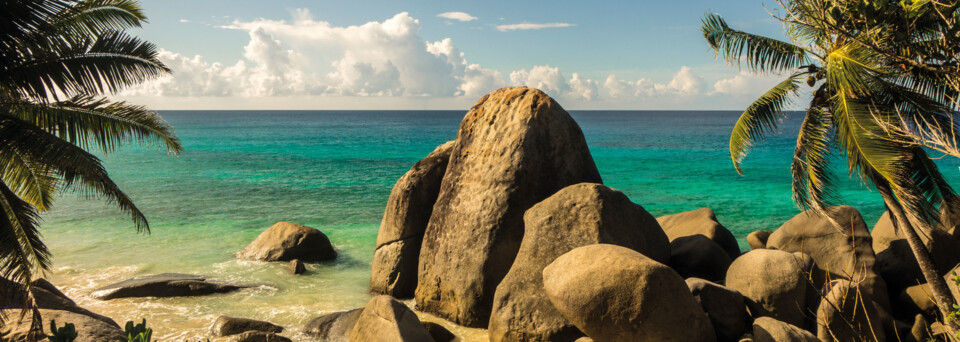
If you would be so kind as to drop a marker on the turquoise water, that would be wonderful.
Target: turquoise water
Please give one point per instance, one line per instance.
(243, 171)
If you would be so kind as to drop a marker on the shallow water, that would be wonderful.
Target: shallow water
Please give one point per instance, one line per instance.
(243, 171)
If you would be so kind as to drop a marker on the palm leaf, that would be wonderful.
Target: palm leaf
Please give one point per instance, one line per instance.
(759, 53)
(21, 250)
(77, 168)
(91, 18)
(84, 120)
(761, 118)
(77, 66)
(812, 180)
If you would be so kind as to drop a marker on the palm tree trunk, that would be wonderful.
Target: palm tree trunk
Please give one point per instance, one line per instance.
(941, 293)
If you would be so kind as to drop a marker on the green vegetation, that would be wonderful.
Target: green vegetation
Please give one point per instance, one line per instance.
(67, 333)
(883, 78)
(58, 61)
(137, 332)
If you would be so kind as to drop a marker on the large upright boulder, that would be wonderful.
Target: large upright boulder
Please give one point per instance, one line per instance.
(285, 241)
(578, 215)
(515, 147)
(613, 293)
(773, 282)
(55, 306)
(393, 270)
(839, 244)
(703, 222)
(698, 256)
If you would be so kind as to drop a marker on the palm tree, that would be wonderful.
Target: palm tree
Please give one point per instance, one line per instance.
(858, 93)
(58, 59)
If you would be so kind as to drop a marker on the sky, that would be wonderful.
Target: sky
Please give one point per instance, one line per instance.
(410, 55)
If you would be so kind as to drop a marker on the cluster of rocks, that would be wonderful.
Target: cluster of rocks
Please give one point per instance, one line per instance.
(510, 228)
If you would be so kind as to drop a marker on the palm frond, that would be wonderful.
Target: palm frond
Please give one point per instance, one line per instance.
(91, 18)
(853, 69)
(21, 251)
(757, 53)
(812, 180)
(77, 66)
(763, 116)
(85, 120)
(77, 168)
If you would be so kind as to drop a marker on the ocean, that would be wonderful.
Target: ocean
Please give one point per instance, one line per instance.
(242, 171)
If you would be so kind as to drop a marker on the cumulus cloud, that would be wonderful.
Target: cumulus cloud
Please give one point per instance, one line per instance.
(460, 16)
(745, 84)
(389, 58)
(530, 26)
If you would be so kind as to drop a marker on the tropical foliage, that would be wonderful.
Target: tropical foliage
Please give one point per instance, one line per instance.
(58, 61)
(877, 73)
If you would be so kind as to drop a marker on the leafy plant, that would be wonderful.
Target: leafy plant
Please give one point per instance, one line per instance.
(67, 333)
(59, 59)
(137, 332)
(870, 90)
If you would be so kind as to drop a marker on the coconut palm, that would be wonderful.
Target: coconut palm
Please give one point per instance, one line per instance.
(58, 59)
(856, 94)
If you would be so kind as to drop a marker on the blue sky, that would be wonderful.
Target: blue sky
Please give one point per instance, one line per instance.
(233, 54)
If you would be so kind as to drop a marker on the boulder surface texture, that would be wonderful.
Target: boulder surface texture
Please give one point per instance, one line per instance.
(578, 215)
(613, 293)
(514, 148)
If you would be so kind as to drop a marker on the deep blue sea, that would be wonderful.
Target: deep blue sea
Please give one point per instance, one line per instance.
(242, 171)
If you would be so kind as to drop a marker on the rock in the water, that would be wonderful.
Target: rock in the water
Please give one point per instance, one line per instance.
(226, 326)
(766, 329)
(258, 336)
(758, 239)
(394, 267)
(285, 241)
(698, 256)
(386, 319)
(773, 283)
(55, 306)
(333, 327)
(725, 308)
(701, 221)
(843, 250)
(578, 215)
(847, 313)
(515, 147)
(164, 285)
(613, 293)
(438, 332)
(296, 266)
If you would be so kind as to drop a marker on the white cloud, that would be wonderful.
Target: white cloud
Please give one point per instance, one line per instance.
(461, 16)
(745, 84)
(531, 26)
(184, 21)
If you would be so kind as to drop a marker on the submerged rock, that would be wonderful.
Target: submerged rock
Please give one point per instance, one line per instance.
(515, 147)
(285, 241)
(164, 285)
(393, 270)
(55, 306)
(700, 222)
(226, 326)
(296, 266)
(577, 215)
(613, 293)
(386, 319)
